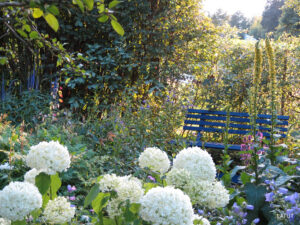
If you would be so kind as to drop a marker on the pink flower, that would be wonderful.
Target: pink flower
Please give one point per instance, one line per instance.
(243, 147)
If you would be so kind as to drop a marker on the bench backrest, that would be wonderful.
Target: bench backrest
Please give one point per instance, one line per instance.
(215, 122)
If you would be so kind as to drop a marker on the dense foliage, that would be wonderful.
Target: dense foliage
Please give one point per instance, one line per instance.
(94, 96)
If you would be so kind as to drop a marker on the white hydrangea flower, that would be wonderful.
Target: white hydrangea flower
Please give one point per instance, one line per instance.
(59, 211)
(18, 199)
(51, 157)
(127, 188)
(109, 182)
(198, 162)
(166, 206)
(207, 194)
(155, 159)
(4, 221)
(178, 178)
(31, 174)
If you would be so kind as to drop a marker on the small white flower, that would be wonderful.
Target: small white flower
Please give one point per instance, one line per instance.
(6, 166)
(155, 159)
(201, 220)
(284, 145)
(4, 221)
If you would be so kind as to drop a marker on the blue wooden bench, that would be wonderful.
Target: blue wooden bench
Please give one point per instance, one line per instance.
(215, 122)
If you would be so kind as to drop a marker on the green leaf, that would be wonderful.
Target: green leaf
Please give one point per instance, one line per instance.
(33, 35)
(43, 181)
(53, 10)
(18, 222)
(27, 28)
(22, 33)
(100, 202)
(113, 4)
(283, 179)
(245, 178)
(89, 4)
(91, 195)
(235, 170)
(37, 13)
(46, 199)
(117, 27)
(135, 207)
(255, 196)
(103, 18)
(55, 185)
(3, 60)
(148, 186)
(52, 21)
(80, 4)
(67, 80)
(101, 8)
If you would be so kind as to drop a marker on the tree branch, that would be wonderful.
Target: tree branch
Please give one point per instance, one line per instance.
(15, 4)
(18, 37)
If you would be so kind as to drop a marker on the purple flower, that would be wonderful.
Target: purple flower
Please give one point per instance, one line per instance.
(229, 217)
(283, 190)
(267, 181)
(243, 147)
(292, 198)
(296, 210)
(71, 188)
(244, 221)
(290, 214)
(151, 178)
(200, 212)
(236, 208)
(72, 198)
(260, 135)
(250, 207)
(269, 196)
(255, 221)
(72, 205)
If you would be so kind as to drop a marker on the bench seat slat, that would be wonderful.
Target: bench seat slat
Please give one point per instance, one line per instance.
(217, 145)
(217, 130)
(263, 116)
(233, 119)
(241, 126)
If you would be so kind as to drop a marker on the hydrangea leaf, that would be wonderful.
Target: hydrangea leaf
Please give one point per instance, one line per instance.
(91, 195)
(43, 181)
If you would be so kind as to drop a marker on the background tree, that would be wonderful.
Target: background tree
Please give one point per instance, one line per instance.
(220, 17)
(256, 29)
(239, 20)
(289, 21)
(271, 15)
